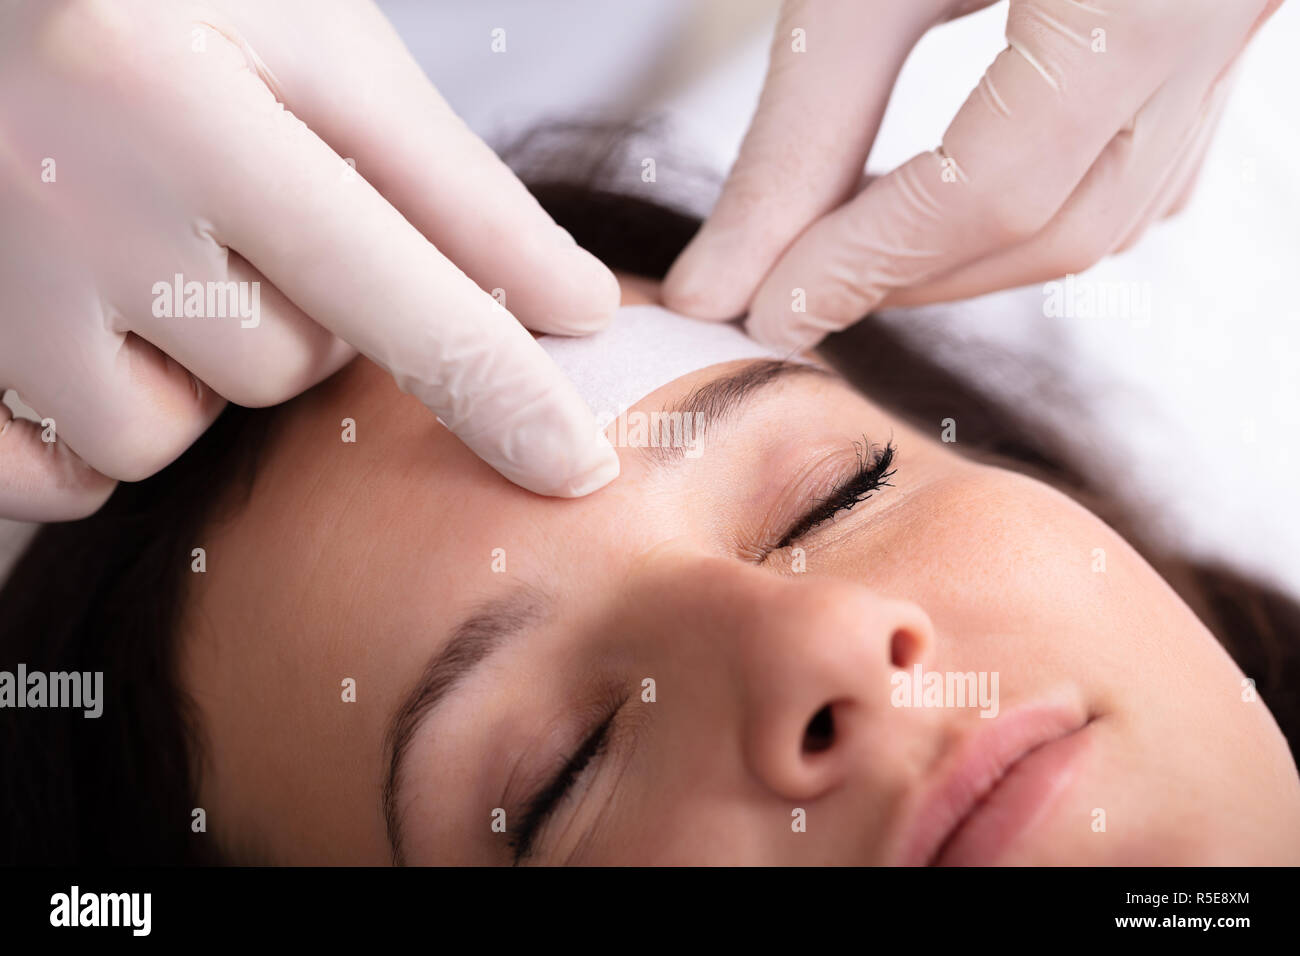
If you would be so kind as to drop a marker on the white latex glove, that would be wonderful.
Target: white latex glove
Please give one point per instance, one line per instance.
(140, 139)
(1091, 124)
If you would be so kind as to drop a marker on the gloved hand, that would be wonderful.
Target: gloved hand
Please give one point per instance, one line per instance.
(1087, 127)
(141, 140)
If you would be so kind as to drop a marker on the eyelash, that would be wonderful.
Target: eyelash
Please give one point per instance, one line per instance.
(869, 477)
(540, 807)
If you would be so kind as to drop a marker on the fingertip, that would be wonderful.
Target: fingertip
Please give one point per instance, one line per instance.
(693, 287)
(603, 292)
(585, 303)
(552, 446)
(780, 332)
(596, 468)
(80, 502)
(603, 469)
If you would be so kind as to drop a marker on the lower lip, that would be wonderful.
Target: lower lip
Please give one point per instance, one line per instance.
(1015, 804)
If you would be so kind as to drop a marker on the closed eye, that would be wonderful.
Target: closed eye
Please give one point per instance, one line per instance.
(872, 473)
(542, 805)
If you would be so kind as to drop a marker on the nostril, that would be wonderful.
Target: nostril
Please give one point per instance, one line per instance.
(904, 646)
(821, 731)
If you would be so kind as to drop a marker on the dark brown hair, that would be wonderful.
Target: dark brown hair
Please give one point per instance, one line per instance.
(107, 593)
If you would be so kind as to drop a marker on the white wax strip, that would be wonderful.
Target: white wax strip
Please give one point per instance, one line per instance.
(644, 348)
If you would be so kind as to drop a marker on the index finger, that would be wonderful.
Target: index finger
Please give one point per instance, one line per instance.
(363, 93)
(331, 243)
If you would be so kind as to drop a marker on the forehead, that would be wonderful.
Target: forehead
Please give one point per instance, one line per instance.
(406, 486)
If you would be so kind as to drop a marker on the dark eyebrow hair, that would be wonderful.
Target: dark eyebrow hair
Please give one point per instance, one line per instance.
(716, 400)
(473, 640)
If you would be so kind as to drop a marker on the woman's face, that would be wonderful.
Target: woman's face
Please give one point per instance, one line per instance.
(393, 643)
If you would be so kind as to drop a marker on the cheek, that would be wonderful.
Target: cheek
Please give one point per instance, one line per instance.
(1020, 580)
(1017, 578)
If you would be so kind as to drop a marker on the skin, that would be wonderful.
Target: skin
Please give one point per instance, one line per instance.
(354, 560)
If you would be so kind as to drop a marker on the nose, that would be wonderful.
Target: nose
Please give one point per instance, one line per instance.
(811, 661)
(817, 657)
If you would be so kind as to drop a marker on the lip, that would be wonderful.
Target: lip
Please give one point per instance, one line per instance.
(994, 785)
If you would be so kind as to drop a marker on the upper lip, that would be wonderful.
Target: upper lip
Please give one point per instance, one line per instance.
(973, 767)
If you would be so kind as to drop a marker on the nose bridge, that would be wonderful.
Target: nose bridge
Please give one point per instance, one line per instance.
(785, 629)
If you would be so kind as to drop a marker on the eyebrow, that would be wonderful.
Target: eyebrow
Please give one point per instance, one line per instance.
(712, 403)
(493, 624)
(484, 632)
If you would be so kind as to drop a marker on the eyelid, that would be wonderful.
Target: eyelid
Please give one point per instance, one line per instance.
(790, 491)
(871, 471)
(538, 808)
